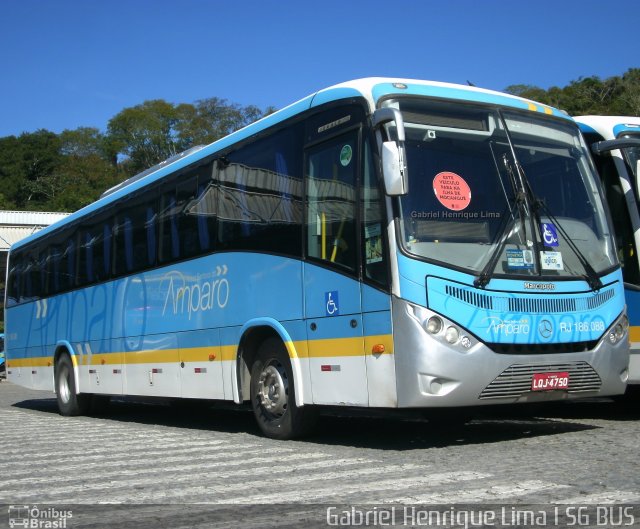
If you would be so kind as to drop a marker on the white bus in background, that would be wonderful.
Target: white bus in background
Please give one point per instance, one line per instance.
(615, 142)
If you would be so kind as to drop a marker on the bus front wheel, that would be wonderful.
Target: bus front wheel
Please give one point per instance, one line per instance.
(70, 403)
(273, 394)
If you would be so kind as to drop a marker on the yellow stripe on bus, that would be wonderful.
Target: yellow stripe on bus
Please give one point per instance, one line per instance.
(41, 361)
(334, 347)
(337, 347)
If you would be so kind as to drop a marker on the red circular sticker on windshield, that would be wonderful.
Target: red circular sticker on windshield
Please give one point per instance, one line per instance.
(452, 191)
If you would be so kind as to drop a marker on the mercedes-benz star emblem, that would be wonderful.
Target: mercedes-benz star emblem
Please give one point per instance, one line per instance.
(545, 328)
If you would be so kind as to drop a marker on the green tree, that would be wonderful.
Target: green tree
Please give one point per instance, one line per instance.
(85, 170)
(42, 170)
(527, 91)
(39, 156)
(213, 118)
(11, 176)
(146, 134)
(590, 95)
(628, 102)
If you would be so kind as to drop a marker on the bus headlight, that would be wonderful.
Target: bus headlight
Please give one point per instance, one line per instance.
(434, 325)
(452, 335)
(441, 329)
(619, 330)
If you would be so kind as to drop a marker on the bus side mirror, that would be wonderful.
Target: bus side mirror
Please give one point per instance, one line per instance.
(601, 147)
(393, 169)
(392, 154)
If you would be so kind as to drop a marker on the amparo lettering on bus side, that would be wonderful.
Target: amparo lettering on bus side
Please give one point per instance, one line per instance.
(189, 296)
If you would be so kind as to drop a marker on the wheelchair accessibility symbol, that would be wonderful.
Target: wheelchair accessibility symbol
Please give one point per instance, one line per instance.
(549, 234)
(331, 303)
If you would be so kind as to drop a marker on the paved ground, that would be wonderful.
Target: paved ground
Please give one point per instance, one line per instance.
(161, 457)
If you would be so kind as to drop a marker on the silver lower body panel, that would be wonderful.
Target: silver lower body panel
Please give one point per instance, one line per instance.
(433, 374)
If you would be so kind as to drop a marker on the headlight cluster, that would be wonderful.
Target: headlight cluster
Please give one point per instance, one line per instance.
(451, 333)
(619, 329)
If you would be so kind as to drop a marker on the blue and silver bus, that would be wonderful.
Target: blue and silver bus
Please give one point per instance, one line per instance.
(615, 143)
(381, 243)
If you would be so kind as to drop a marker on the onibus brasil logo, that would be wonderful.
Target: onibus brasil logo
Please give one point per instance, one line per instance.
(38, 517)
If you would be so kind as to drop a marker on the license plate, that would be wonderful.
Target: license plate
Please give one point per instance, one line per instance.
(550, 381)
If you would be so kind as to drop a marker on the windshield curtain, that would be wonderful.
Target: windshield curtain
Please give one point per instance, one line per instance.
(479, 192)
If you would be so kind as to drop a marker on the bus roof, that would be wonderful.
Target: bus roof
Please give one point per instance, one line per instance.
(372, 89)
(609, 127)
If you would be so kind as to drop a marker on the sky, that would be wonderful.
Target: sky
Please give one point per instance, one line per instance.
(66, 64)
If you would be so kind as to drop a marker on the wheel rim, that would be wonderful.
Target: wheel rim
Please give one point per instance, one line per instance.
(64, 389)
(273, 389)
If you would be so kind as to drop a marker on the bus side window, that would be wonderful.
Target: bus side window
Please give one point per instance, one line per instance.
(96, 268)
(150, 229)
(187, 223)
(204, 235)
(168, 241)
(13, 282)
(42, 269)
(139, 236)
(123, 257)
(67, 270)
(107, 242)
(32, 278)
(55, 259)
(85, 272)
(259, 195)
(331, 201)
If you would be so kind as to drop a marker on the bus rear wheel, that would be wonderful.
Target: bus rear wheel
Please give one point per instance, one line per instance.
(273, 394)
(70, 403)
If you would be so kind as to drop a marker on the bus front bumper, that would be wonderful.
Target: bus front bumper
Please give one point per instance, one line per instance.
(433, 374)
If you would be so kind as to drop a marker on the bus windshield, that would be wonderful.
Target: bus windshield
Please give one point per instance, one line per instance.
(506, 190)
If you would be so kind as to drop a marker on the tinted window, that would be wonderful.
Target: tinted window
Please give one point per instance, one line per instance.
(14, 280)
(193, 221)
(169, 248)
(259, 196)
(185, 222)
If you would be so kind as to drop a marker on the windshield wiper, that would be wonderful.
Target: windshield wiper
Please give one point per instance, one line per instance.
(520, 202)
(487, 272)
(591, 276)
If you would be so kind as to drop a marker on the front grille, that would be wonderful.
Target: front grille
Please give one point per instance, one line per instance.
(472, 297)
(516, 379)
(525, 303)
(542, 348)
(542, 305)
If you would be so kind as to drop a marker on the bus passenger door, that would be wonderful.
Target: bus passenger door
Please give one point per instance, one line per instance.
(376, 299)
(333, 308)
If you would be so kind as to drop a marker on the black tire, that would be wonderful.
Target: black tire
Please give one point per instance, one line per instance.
(273, 394)
(70, 403)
